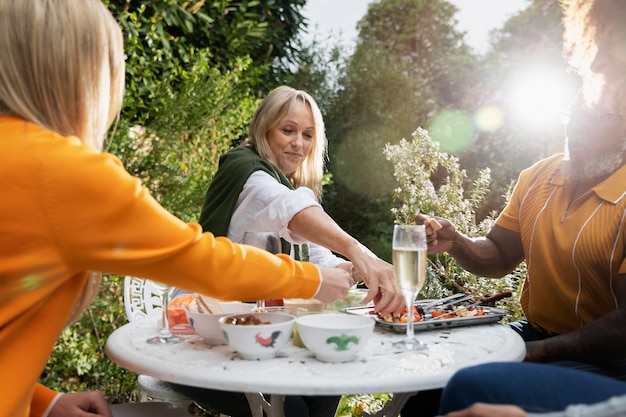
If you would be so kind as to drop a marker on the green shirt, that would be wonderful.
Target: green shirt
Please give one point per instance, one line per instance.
(235, 167)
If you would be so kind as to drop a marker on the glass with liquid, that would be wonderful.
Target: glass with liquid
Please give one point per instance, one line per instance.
(164, 335)
(409, 264)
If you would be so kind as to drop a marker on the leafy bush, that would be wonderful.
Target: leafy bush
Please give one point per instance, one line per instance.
(176, 152)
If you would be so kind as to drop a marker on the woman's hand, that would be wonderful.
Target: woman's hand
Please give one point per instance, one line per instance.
(379, 277)
(355, 276)
(489, 410)
(81, 404)
(314, 225)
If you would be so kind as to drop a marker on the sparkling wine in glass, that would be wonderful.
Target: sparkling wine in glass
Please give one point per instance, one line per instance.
(409, 264)
(269, 241)
(165, 334)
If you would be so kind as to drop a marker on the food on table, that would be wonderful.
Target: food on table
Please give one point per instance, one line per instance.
(274, 302)
(257, 335)
(176, 310)
(458, 311)
(249, 320)
(401, 317)
(294, 305)
(448, 312)
(354, 298)
(208, 305)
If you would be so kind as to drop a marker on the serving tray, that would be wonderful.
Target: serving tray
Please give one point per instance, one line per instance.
(492, 315)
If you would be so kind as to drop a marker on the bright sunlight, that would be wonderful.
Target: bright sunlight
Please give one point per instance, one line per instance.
(535, 97)
(539, 96)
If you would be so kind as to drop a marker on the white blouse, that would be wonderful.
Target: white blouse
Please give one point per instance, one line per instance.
(266, 204)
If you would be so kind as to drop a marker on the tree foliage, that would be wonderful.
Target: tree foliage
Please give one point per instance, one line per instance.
(168, 41)
(410, 69)
(192, 70)
(318, 69)
(176, 154)
(409, 63)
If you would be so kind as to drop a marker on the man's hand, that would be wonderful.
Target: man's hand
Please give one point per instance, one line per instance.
(439, 233)
(81, 404)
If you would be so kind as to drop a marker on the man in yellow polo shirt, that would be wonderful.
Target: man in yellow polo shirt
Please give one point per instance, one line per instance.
(567, 220)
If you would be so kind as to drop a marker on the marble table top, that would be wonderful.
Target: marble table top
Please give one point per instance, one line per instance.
(295, 371)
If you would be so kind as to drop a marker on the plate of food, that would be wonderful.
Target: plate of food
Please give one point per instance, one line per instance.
(455, 311)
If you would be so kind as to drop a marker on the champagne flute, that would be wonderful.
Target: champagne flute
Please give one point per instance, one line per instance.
(269, 241)
(165, 334)
(409, 263)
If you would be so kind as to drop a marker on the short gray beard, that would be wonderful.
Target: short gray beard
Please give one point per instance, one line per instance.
(597, 167)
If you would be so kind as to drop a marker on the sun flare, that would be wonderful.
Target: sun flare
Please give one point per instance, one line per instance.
(540, 96)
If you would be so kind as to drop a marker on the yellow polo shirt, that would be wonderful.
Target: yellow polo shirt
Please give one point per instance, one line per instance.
(68, 209)
(574, 250)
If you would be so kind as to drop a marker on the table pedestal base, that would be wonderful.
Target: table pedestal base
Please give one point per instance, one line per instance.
(275, 406)
(258, 404)
(392, 407)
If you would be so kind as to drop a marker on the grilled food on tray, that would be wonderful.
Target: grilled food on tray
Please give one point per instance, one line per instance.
(441, 312)
(402, 317)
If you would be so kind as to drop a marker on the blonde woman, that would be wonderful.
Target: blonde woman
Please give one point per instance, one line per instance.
(69, 209)
(274, 181)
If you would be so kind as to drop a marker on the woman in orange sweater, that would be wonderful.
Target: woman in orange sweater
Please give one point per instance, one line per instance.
(69, 209)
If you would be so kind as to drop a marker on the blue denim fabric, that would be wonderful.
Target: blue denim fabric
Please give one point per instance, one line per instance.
(531, 386)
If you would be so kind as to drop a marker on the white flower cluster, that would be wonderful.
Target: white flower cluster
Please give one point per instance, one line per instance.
(431, 182)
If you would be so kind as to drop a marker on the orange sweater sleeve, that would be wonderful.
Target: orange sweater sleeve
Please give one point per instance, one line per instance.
(122, 229)
(42, 397)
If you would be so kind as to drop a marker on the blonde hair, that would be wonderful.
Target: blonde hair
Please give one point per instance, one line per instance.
(274, 108)
(61, 66)
(582, 21)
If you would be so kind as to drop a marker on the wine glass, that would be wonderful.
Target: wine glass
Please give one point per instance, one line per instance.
(165, 334)
(269, 241)
(409, 264)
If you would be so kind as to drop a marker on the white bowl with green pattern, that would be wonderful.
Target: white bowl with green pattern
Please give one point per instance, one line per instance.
(335, 337)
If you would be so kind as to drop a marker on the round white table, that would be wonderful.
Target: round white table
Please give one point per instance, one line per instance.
(379, 368)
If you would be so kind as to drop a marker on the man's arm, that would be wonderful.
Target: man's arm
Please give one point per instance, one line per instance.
(495, 255)
(601, 342)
